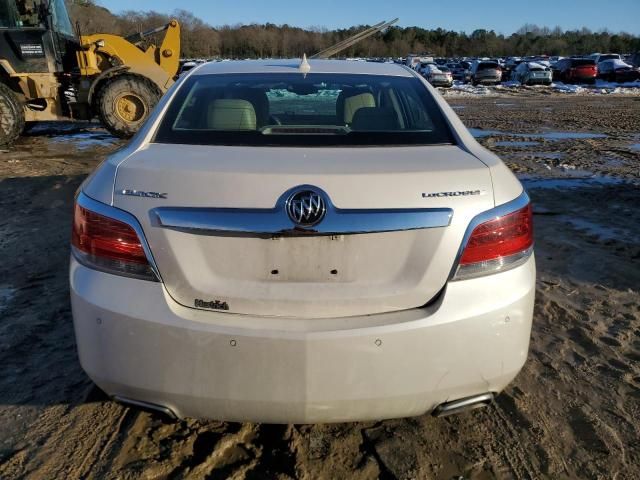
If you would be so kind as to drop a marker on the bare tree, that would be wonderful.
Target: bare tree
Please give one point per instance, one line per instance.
(201, 40)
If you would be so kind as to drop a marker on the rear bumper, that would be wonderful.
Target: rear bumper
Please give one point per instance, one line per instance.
(538, 80)
(627, 77)
(583, 77)
(487, 79)
(441, 83)
(135, 342)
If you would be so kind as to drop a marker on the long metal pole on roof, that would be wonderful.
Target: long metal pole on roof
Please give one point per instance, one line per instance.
(323, 53)
(349, 42)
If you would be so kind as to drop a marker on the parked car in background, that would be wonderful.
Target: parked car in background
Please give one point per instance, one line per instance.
(530, 73)
(186, 65)
(460, 71)
(438, 75)
(423, 67)
(543, 62)
(601, 57)
(576, 70)
(635, 60)
(485, 72)
(509, 67)
(223, 274)
(617, 71)
(414, 61)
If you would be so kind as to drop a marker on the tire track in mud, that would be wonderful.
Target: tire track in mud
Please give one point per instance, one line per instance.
(233, 454)
(192, 449)
(510, 450)
(71, 440)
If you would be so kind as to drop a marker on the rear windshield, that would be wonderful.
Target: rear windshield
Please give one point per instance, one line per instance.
(291, 109)
(579, 62)
(487, 65)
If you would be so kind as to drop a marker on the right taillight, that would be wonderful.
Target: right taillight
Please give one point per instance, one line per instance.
(497, 244)
(110, 245)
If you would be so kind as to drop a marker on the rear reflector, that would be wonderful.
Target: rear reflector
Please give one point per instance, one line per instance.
(106, 244)
(498, 244)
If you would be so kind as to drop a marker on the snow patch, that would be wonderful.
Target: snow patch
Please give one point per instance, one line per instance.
(460, 89)
(601, 87)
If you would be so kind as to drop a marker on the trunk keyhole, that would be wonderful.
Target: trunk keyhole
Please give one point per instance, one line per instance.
(334, 272)
(274, 272)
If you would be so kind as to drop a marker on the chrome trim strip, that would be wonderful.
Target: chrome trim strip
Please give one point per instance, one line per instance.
(275, 221)
(108, 211)
(517, 203)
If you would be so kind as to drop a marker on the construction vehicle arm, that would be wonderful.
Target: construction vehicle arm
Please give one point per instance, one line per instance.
(169, 52)
(140, 36)
(123, 52)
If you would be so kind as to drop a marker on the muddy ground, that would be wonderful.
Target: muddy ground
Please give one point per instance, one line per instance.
(573, 412)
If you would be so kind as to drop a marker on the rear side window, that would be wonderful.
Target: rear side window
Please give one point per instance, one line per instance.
(293, 109)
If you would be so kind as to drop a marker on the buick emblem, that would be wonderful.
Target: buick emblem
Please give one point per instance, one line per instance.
(306, 208)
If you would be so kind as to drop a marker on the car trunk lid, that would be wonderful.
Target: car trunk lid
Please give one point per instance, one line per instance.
(215, 252)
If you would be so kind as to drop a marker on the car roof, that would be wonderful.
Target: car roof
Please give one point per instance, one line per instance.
(291, 66)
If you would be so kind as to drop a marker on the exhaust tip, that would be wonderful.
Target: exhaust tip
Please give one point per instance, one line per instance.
(152, 407)
(463, 404)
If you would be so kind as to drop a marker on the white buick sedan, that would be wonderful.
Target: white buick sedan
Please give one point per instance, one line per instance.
(298, 243)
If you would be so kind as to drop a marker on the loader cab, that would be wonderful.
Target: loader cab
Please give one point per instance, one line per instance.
(37, 36)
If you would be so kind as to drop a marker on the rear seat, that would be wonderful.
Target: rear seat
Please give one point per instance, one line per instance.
(375, 118)
(257, 98)
(231, 114)
(350, 101)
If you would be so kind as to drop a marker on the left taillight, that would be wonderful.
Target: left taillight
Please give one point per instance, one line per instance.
(500, 243)
(108, 244)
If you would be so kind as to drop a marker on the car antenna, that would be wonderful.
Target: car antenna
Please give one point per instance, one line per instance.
(304, 67)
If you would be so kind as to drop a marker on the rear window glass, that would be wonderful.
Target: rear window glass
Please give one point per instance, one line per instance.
(293, 109)
(578, 62)
(487, 65)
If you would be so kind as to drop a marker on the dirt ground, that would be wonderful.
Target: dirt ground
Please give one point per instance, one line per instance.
(573, 412)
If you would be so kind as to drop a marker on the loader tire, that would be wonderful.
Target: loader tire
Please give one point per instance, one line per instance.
(11, 116)
(125, 102)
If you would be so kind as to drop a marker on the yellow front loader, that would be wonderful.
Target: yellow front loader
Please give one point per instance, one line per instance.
(48, 73)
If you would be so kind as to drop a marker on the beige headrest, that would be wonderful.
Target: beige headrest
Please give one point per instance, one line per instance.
(355, 103)
(231, 114)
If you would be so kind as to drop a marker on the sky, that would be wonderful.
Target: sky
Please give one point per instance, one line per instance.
(503, 16)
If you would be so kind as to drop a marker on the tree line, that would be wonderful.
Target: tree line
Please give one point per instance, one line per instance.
(201, 40)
